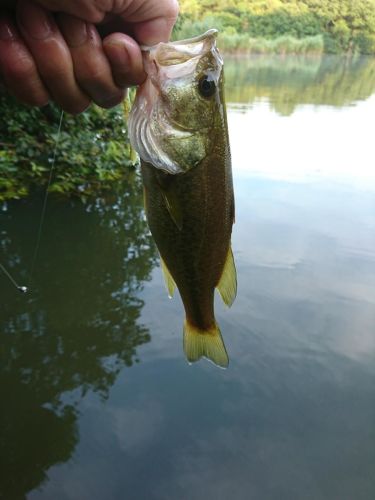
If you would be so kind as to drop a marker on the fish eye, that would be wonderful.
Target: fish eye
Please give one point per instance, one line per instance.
(206, 86)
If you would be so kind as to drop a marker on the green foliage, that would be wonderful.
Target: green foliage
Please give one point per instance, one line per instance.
(341, 25)
(92, 151)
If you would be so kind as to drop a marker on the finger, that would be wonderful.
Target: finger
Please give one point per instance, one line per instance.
(125, 58)
(153, 21)
(51, 56)
(17, 68)
(91, 67)
(90, 11)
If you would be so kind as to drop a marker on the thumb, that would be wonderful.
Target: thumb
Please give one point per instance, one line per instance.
(154, 31)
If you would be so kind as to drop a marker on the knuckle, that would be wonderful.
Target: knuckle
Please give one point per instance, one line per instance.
(32, 94)
(172, 9)
(110, 101)
(24, 83)
(35, 102)
(76, 108)
(128, 79)
(98, 8)
(21, 68)
(91, 76)
(99, 84)
(91, 68)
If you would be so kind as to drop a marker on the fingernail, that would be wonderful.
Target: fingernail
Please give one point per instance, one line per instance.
(35, 20)
(7, 30)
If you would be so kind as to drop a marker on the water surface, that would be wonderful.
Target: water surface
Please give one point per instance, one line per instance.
(97, 399)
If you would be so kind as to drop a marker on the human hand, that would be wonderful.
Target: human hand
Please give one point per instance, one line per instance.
(78, 51)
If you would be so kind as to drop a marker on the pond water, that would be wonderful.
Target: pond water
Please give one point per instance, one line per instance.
(97, 400)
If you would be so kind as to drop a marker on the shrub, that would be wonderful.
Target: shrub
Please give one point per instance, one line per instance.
(92, 151)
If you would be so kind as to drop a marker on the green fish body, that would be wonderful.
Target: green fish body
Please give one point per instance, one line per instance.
(178, 126)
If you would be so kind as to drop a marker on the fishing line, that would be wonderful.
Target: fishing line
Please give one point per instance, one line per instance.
(21, 288)
(42, 216)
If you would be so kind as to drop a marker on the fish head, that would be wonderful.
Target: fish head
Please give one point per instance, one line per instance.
(180, 108)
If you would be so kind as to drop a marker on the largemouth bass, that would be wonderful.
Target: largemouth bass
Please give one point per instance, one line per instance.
(178, 126)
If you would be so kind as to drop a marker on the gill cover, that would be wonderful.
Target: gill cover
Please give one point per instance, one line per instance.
(175, 109)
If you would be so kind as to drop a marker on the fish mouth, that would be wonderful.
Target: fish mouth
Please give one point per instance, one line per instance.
(209, 35)
(181, 51)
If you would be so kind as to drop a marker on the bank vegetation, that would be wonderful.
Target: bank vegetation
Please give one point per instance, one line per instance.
(283, 26)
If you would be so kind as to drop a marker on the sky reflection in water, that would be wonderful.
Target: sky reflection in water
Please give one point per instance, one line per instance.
(293, 416)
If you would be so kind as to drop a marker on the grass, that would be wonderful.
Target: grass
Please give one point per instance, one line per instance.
(231, 41)
(242, 43)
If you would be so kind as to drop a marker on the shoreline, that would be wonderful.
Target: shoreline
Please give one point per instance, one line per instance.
(244, 54)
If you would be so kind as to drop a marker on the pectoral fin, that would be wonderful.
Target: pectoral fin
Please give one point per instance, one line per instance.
(173, 206)
(169, 281)
(205, 343)
(228, 282)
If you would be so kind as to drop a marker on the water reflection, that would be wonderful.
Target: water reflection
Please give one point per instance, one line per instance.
(288, 81)
(293, 415)
(74, 332)
(302, 119)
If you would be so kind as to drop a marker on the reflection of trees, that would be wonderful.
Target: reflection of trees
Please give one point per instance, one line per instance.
(74, 333)
(288, 81)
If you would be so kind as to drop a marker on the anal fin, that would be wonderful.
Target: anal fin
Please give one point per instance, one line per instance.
(209, 344)
(227, 285)
(169, 281)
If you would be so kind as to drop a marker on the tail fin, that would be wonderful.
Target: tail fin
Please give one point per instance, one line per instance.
(206, 343)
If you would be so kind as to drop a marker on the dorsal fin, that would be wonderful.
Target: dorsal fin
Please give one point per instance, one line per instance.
(227, 285)
(169, 281)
